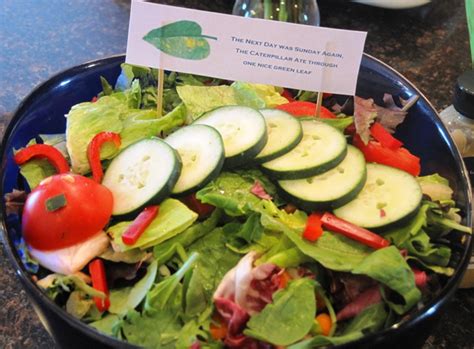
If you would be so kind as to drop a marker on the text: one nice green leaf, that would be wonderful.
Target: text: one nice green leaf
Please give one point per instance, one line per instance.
(181, 39)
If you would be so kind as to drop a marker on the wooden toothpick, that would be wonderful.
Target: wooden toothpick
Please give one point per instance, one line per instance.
(319, 101)
(159, 96)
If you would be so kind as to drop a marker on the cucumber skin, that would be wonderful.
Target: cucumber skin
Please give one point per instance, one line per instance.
(398, 223)
(161, 195)
(306, 172)
(310, 206)
(277, 154)
(247, 156)
(213, 175)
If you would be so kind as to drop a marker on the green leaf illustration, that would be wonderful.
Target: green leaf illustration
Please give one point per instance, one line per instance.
(181, 39)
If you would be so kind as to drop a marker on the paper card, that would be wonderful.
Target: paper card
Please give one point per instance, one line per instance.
(244, 49)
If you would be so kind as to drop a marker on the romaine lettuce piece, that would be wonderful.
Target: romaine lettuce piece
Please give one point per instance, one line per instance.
(174, 218)
(200, 99)
(257, 96)
(436, 187)
(113, 113)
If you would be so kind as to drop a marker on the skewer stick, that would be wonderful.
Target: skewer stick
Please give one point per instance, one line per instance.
(159, 95)
(319, 101)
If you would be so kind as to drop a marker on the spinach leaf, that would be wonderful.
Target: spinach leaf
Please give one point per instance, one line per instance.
(231, 191)
(124, 299)
(164, 251)
(181, 39)
(333, 251)
(159, 325)
(241, 235)
(370, 319)
(289, 318)
(389, 268)
(417, 242)
(209, 270)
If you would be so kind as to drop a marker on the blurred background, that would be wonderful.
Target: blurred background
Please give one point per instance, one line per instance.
(38, 38)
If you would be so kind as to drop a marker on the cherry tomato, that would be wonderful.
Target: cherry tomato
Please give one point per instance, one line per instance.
(65, 209)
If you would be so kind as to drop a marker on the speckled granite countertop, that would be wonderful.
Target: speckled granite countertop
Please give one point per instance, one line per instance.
(39, 38)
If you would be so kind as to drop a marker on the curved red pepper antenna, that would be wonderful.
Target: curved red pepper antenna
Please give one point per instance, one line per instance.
(93, 152)
(43, 151)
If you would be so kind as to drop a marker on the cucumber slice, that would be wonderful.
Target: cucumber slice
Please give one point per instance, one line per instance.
(332, 188)
(284, 133)
(322, 148)
(201, 150)
(243, 131)
(389, 195)
(142, 174)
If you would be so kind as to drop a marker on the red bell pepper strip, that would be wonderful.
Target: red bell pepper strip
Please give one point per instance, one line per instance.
(303, 108)
(287, 94)
(138, 226)
(93, 152)
(99, 282)
(43, 151)
(400, 158)
(203, 210)
(313, 229)
(384, 137)
(353, 231)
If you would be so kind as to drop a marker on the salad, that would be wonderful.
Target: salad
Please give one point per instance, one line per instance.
(238, 219)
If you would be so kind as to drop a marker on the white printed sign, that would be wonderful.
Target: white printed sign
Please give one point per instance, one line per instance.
(244, 49)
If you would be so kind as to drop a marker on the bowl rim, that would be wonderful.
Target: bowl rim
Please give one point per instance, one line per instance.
(426, 311)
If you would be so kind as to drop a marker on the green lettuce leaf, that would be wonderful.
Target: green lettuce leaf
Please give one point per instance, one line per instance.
(231, 192)
(164, 251)
(160, 325)
(200, 99)
(435, 186)
(55, 284)
(215, 261)
(78, 304)
(109, 324)
(114, 114)
(388, 267)
(257, 96)
(288, 318)
(174, 218)
(125, 299)
(370, 319)
(333, 251)
(35, 170)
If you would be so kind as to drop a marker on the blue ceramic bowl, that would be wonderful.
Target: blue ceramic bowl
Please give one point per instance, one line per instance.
(422, 132)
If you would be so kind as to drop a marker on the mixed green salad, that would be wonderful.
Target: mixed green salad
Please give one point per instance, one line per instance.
(238, 219)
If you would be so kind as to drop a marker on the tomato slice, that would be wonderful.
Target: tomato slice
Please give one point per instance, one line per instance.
(399, 158)
(63, 210)
(303, 108)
